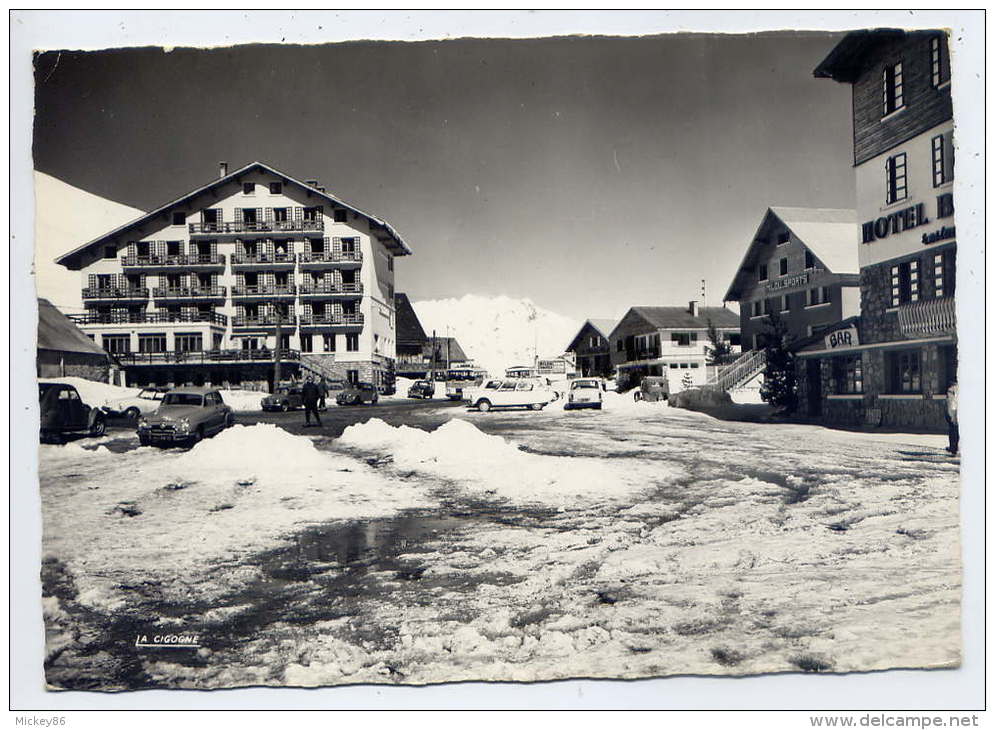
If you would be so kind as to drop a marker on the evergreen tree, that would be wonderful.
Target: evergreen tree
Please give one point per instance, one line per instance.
(720, 348)
(780, 382)
(687, 382)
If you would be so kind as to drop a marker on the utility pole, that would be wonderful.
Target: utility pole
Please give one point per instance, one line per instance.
(431, 373)
(703, 300)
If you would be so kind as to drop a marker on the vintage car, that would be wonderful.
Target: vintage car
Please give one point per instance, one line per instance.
(64, 412)
(185, 416)
(284, 399)
(133, 406)
(421, 389)
(358, 393)
(511, 393)
(585, 393)
(652, 388)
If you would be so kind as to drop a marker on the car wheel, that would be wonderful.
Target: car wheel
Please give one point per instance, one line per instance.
(284, 406)
(484, 405)
(197, 435)
(132, 413)
(98, 427)
(229, 420)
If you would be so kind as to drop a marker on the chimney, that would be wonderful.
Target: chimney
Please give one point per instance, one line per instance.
(693, 307)
(222, 168)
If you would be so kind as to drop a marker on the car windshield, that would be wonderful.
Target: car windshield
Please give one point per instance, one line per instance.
(584, 384)
(183, 399)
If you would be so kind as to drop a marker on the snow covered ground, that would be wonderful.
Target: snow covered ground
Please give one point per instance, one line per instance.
(637, 541)
(96, 394)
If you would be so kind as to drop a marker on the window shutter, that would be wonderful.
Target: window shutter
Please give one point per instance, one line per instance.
(298, 213)
(269, 215)
(914, 280)
(91, 281)
(290, 247)
(238, 215)
(259, 214)
(336, 244)
(132, 249)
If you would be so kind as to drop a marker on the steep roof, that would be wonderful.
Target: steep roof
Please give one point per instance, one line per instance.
(71, 260)
(845, 62)
(57, 332)
(681, 318)
(603, 327)
(829, 233)
(410, 333)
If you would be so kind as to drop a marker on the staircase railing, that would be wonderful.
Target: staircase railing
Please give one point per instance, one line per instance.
(748, 365)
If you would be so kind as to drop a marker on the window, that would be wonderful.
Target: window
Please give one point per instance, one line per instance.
(307, 342)
(352, 342)
(762, 272)
(905, 283)
(117, 344)
(281, 215)
(809, 260)
(151, 343)
(275, 188)
(284, 343)
(944, 273)
(893, 98)
(179, 218)
(943, 159)
(895, 178)
(248, 188)
(341, 215)
(210, 215)
(694, 365)
(684, 339)
(674, 366)
(937, 75)
(313, 213)
(904, 372)
(352, 376)
(783, 266)
(783, 238)
(735, 339)
(348, 245)
(189, 342)
(785, 303)
(820, 295)
(758, 308)
(619, 345)
(390, 262)
(110, 252)
(848, 377)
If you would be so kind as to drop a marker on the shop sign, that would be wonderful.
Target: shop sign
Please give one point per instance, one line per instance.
(906, 219)
(788, 282)
(943, 234)
(552, 366)
(842, 338)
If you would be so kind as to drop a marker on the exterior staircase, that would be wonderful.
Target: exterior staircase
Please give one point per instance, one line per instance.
(746, 367)
(316, 367)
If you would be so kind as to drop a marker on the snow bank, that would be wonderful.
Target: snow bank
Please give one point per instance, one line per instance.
(94, 394)
(243, 400)
(483, 464)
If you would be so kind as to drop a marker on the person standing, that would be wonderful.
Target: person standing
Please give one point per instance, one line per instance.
(322, 393)
(953, 430)
(309, 395)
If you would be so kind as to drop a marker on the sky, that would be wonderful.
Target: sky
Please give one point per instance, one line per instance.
(586, 174)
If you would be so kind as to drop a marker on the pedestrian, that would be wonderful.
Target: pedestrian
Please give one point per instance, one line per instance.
(322, 393)
(953, 430)
(309, 395)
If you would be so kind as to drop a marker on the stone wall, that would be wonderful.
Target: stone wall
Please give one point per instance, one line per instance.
(51, 364)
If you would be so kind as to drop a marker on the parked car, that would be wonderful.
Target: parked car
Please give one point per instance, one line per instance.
(421, 389)
(133, 406)
(511, 393)
(358, 393)
(64, 412)
(284, 399)
(653, 388)
(186, 416)
(585, 393)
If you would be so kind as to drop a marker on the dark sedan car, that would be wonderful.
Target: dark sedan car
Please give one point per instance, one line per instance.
(64, 412)
(358, 393)
(284, 399)
(421, 389)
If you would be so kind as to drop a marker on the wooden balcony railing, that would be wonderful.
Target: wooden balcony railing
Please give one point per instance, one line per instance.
(138, 292)
(236, 227)
(264, 320)
(332, 319)
(355, 287)
(929, 317)
(99, 318)
(190, 292)
(206, 357)
(263, 258)
(331, 257)
(179, 259)
(285, 290)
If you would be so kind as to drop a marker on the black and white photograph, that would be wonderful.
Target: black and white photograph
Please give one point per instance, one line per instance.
(484, 359)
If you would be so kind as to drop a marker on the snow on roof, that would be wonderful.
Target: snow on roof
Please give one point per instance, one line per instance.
(680, 317)
(71, 259)
(57, 332)
(829, 233)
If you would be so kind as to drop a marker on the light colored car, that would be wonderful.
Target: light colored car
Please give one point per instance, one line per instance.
(511, 393)
(133, 406)
(186, 415)
(585, 393)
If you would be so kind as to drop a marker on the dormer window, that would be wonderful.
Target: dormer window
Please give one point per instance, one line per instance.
(248, 188)
(276, 188)
(341, 215)
(762, 272)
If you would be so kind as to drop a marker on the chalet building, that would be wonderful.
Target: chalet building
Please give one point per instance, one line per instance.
(63, 350)
(252, 268)
(802, 265)
(670, 341)
(892, 366)
(411, 338)
(590, 348)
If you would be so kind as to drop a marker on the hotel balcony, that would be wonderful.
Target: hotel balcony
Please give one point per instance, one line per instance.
(252, 229)
(190, 293)
(637, 355)
(264, 291)
(254, 261)
(112, 294)
(264, 321)
(194, 261)
(331, 259)
(331, 291)
(928, 318)
(332, 321)
(206, 357)
(128, 318)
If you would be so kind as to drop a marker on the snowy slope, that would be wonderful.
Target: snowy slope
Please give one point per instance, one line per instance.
(498, 332)
(65, 218)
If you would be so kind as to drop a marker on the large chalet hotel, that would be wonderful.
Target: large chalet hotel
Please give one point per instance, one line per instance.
(252, 269)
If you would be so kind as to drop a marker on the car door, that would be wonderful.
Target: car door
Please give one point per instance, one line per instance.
(525, 393)
(505, 394)
(211, 413)
(76, 410)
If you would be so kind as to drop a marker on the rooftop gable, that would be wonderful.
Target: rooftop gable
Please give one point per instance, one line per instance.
(389, 236)
(57, 332)
(680, 318)
(602, 327)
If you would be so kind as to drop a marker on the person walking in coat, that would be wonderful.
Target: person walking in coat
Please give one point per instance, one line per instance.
(310, 395)
(322, 393)
(953, 431)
